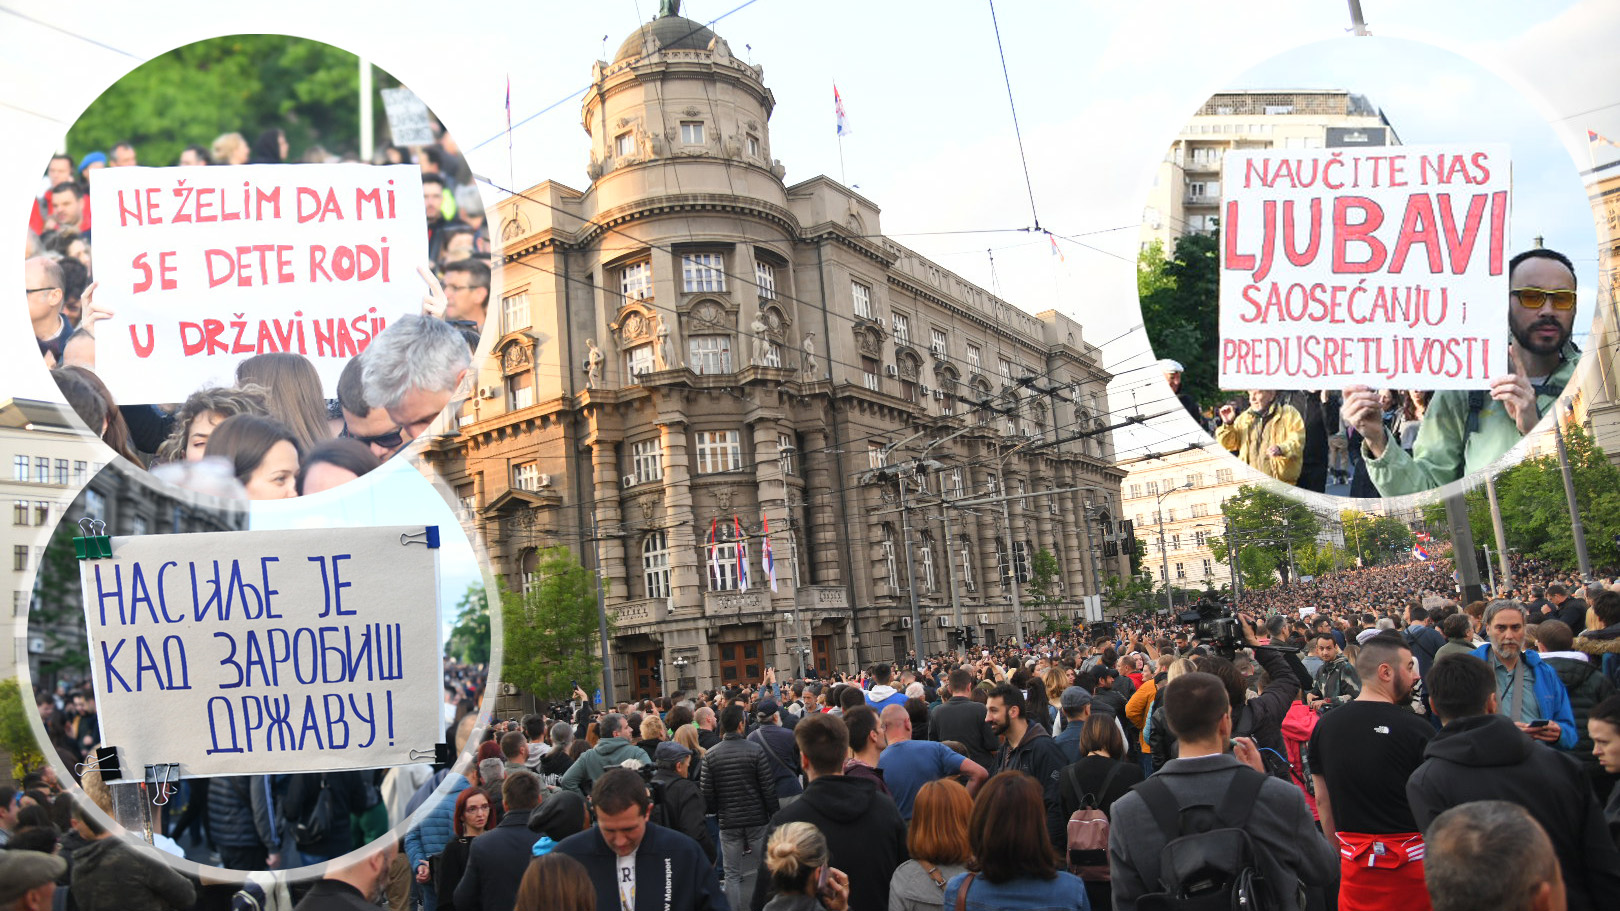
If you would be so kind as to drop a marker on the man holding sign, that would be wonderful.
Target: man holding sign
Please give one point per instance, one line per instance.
(1464, 431)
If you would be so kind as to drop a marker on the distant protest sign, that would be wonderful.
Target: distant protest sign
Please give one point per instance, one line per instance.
(1383, 267)
(204, 267)
(260, 652)
(408, 118)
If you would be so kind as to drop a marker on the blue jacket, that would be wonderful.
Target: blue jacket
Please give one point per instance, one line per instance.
(431, 830)
(1064, 893)
(1550, 693)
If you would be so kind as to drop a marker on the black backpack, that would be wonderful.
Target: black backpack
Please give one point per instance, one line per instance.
(1209, 863)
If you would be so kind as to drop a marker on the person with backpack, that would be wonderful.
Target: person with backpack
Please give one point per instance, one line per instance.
(1086, 792)
(779, 749)
(677, 802)
(1254, 831)
(937, 840)
(1424, 640)
(318, 808)
(1360, 756)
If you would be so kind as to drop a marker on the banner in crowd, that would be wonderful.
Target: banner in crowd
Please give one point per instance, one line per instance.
(1385, 267)
(259, 652)
(206, 266)
(409, 122)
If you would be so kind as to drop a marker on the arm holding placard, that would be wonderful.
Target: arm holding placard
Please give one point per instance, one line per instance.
(1438, 456)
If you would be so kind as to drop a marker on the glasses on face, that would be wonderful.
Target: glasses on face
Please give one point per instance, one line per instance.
(1536, 298)
(37, 290)
(481, 808)
(389, 440)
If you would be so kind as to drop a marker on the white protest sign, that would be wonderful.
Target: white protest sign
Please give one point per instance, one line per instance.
(259, 652)
(1306, 612)
(408, 118)
(205, 267)
(1385, 267)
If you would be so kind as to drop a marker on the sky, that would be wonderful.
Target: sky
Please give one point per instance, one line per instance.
(1099, 91)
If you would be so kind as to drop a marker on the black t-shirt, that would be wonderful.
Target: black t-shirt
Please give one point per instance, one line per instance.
(1366, 750)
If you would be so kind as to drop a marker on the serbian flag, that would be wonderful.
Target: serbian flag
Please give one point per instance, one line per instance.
(1419, 553)
(509, 105)
(1423, 536)
(1591, 137)
(714, 554)
(1055, 251)
(742, 554)
(768, 559)
(838, 108)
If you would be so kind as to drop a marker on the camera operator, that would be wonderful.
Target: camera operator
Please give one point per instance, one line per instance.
(1336, 681)
(1261, 717)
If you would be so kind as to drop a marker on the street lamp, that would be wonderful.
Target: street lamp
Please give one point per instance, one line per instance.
(1164, 562)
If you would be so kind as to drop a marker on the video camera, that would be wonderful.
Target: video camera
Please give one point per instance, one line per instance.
(1216, 623)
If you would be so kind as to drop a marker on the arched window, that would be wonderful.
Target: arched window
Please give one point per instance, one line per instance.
(926, 560)
(655, 564)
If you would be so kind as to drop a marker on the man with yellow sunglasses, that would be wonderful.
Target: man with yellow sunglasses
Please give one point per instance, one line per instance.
(1464, 431)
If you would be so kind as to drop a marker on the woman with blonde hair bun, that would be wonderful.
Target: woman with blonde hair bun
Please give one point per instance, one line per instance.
(230, 148)
(802, 877)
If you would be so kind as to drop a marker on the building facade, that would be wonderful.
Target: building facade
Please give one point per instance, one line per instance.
(696, 360)
(1180, 495)
(1186, 195)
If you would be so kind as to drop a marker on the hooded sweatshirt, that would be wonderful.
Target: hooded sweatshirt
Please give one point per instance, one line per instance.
(882, 695)
(109, 875)
(1486, 757)
(864, 831)
(608, 752)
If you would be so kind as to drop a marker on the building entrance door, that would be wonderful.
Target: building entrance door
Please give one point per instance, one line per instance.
(644, 673)
(821, 648)
(741, 662)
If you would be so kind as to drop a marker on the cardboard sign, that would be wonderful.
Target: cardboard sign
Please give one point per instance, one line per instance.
(408, 118)
(260, 652)
(204, 267)
(1385, 267)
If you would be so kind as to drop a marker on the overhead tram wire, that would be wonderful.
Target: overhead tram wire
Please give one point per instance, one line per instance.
(68, 32)
(1013, 107)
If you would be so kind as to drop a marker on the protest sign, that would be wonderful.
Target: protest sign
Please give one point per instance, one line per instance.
(1384, 267)
(259, 652)
(408, 118)
(204, 267)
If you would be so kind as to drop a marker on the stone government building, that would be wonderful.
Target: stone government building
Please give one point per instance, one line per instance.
(690, 348)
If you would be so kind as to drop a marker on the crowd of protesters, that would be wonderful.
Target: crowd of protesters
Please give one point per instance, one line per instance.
(275, 432)
(1362, 716)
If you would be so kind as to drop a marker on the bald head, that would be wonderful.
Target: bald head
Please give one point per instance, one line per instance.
(896, 723)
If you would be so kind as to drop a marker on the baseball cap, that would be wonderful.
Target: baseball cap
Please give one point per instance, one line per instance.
(670, 751)
(1075, 698)
(767, 708)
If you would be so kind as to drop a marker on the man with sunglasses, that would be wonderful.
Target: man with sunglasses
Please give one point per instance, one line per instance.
(361, 422)
(1464, 431)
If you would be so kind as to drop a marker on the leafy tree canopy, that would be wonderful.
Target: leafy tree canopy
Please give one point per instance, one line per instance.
(550, 634)
(1178, 293)
(238, 83)
(469, 639)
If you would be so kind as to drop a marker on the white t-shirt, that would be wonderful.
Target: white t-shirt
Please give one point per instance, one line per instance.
(627, 882)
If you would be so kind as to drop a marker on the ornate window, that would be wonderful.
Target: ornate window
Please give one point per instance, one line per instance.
(718, 450)
(638, 360)
(709, 354)
(862, 296)
(890, 566)
(647, 460)
(724, 572)
(526, 476)
(902, 329)
(964, 551)
(635, 281)
(655, 564)
(765, 278)
(515, 312)
(925, 559)
(692, 132)
(703, 273)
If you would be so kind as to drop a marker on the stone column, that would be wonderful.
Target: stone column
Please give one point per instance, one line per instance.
(611, 545)
(820, 542)
(686, 583)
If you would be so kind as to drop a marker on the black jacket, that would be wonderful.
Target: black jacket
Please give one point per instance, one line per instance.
(671, 872)
(738, 784)
(1262, 716)
(1038, 756)
(681, 808)
(333, 895)
(1587, 687)
(864, 831)
(495, 865)
(239, 809)
(1487, 758)
(962, 720)
(349, 796)
(449, 868)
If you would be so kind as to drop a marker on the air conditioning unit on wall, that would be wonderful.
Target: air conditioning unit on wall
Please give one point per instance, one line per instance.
(984, 619)
(905, 623)
(892, 370)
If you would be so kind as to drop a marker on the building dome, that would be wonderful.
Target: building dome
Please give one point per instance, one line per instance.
(668, 33)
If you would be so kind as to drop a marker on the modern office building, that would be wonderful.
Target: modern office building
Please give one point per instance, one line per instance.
(696, 359)
(1186, 195)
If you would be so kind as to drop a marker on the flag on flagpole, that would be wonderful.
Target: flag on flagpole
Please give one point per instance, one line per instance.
(1419, 553)
(742, 554)
(769, 559)
(714, 553)
(1055, 250)
(1591, 137)
(838, 108)
(509, 108)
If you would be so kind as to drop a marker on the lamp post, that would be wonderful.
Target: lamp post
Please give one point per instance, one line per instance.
(1164, 562)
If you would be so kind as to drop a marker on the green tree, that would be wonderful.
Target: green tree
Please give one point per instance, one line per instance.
(1042, 592)
(1137, 554)
(16, 734)
(1375, 540)
(1178, 294)
(1264, 525)
(58, 613)
(469, 639)
(1133, 595)
(550, 634)
(237, 83)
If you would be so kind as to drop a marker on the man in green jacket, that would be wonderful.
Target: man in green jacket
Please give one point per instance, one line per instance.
(612, 750)
(1464, 431)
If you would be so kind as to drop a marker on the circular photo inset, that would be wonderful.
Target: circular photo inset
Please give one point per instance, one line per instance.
(254, 272)
(1368, 268)
(260, 686)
